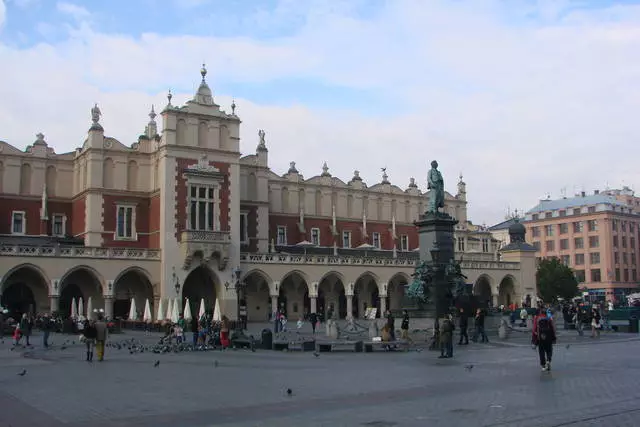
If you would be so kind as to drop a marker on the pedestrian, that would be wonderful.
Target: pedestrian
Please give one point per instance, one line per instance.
(464, 325)
(25, 328)
(523, 317)
(404, 326)
(195, 330)
(313, 318)
(596, 324)
(47, 326)
(543, 335)
(391, 324)
(446, 337)
(479, 327)
(101, 336)
(224, 332)
(90, 333)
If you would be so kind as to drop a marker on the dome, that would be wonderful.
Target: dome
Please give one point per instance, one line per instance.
(517, 231)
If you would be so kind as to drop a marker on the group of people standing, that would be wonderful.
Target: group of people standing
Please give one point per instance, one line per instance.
(447, 328)
(94, 335)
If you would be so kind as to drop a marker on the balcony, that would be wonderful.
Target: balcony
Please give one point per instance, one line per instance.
(205, 246)
(78, 252)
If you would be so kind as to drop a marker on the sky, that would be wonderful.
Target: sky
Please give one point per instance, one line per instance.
(524, 98)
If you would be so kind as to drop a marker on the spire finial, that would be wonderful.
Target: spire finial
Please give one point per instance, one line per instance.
(325, 169)
(169, 96)
(233, 106)
(152, 114)
(203, 71)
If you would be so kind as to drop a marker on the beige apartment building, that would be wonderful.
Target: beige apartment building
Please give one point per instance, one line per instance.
(182, 213)
(596, 235)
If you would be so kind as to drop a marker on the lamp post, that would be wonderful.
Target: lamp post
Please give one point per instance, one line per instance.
(239, 288)
(176, 282)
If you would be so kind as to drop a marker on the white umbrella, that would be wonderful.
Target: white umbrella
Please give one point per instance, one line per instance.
(133, 312)
(169, 309)
(74, 308)
(160, 314)
(176, 314)
(187, 310)
(80, 307)
(89, 308)
(147, 312)
(201, 311)
(305, 244)
(216, 312)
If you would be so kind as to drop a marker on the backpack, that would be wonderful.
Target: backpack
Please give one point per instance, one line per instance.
(545, 331)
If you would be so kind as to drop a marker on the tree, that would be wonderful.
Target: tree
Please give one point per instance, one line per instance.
(555, 280)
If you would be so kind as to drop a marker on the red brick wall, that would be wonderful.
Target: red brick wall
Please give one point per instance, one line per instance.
(30, 206)
(326, 239)
(77, 224)
(63, 208)
(181, 194)
(109, 206)
(252, 228)
(154, 222)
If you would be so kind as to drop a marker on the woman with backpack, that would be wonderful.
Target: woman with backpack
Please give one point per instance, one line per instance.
(543, 336)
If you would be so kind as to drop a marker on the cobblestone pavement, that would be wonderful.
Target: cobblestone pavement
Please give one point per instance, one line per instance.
(593, 383)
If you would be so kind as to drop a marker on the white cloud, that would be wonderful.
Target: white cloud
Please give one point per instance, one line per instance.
(78, 13)
(521, 110)
(3, 13)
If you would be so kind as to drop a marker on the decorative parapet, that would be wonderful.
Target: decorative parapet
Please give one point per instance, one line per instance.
(79, 252)
(206, 236)
(255, 258)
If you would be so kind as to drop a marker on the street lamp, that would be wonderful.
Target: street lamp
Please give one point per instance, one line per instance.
(176, 282)
(238, 287)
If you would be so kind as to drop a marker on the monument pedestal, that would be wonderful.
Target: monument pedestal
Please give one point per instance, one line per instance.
(436, 229)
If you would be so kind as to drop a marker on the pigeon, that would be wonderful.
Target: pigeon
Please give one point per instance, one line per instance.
(289, 392)
(216, 363)
(23, 373)
(155, 365)
(316, 354)
(468, 367)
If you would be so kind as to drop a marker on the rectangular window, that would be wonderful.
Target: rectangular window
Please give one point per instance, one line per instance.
(346, 239)
(594, 257)
(549, 245)
(632, 243)
(618, 275)
(534, 217)
(624, 242)
(592, 225)
(566, 259)
(125, 221)
(634, 276)
(375, 239)
(626, 275)
(536, 245)
(579, 275)
(58, 223)
(548, 214)
(576, 211)
(281, 238)
(485, 245)
(548, 230)
(594, 242)
(404, 243)
(623, 225)
(562, 213)
(624, 258)
(631, 227)
(315, 236)
(244, 228)
(563, 228)
(591, 209)
(577, 227)
(595, 275)
(535, 231)
(616, 258)
(201, 208)
(564, 244)
(578, 243)
(461, 244)
(18, 222)
(579, 259)
(615, 241)
(614, 224)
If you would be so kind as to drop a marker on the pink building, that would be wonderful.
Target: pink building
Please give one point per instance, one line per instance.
(596, 235)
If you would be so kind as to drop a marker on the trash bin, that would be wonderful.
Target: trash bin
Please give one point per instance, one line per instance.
(633, 324)
(267, 339)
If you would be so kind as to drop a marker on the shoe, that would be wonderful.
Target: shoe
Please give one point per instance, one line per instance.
(544, 368)
(548, 366)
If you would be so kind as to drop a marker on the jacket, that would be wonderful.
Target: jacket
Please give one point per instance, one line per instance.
(102, 332)
(534, 329)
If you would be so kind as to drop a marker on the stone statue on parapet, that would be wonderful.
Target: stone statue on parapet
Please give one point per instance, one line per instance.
(435, 183)
(95, 114)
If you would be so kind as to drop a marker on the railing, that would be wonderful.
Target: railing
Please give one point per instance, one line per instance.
(362, 260)
(206, 236)
(79, 252)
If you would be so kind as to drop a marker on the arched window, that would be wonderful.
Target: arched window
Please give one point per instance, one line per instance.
(252, 187)
(132, 176)
(285, 199)
(25, 179)
(318, 202)
(108, 171)
(181, 132)
(203, 134)
(51, 180)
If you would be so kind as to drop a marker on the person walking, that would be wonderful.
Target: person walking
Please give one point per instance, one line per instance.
(463, 322)
(404, 326)
(90, 333)
(446, 337)
(313, 318)
(543, 336)
(101, 336)
(479, 324)
(596, 324)
(47, 326)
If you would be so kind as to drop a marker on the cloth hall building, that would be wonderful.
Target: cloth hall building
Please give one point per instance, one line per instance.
(181, 213)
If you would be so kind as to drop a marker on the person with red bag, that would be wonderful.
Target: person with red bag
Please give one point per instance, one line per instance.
(224, 332)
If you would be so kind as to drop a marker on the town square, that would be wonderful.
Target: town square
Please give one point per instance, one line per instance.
(277, 213)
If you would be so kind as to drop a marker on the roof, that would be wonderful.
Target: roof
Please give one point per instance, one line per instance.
(574, 202)
(504, 225)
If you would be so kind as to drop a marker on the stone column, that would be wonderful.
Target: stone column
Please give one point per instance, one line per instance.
(54, 303)
(349, 306)
(314, 304)
(383, 306)
(108, 307)
(274, 303)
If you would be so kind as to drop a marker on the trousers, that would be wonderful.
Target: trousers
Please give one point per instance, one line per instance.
(545, 351)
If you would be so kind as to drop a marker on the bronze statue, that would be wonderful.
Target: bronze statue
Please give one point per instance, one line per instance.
(435, 183)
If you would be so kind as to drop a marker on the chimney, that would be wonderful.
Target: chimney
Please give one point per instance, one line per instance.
(583, 194)
(596, 192)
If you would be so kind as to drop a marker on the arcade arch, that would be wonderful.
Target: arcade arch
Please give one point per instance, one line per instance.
(507, 291)
(293, 295)
(132, 283)
(201, 283)
(256, 296)
(81, 282)
(332, 296)
(482, 290)
(365, 294)
(396, 291)
(25, 289)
